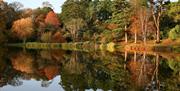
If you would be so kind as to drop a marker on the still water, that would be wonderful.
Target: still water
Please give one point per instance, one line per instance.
(59, 70)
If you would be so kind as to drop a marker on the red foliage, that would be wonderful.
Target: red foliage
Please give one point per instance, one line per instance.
(52, 19)
(49, 71)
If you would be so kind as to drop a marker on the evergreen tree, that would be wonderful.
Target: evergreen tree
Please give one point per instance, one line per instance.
(121, 15)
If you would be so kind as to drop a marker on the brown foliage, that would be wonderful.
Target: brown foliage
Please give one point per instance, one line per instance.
(135, 26)
(141, 71)
(23, 28)
(39, 21)
(52, 19)
(58, 55)
(58, 38)
(55, 55)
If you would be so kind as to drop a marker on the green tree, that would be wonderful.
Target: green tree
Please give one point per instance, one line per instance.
(175, 33)
(104, 10)
(170, 18)
(72, 9)
(120, 15)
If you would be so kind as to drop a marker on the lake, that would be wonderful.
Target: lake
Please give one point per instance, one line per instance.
(60, 70)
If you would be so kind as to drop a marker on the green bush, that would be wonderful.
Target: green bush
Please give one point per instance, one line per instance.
(109, 36)
(175, 32)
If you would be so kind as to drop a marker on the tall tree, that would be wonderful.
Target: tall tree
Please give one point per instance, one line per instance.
(141, 16)
(144, 16)
(135, 19)
(120, 15)
(157, 10)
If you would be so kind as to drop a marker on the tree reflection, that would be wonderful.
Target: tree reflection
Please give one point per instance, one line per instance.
(46, 83)
(144, 71)
(23, 62)
(96, 70)
(99, 72)
(15, 82)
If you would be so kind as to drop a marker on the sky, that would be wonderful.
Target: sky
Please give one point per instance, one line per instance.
(38, 3)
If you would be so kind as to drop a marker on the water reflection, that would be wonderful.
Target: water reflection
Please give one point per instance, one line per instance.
(82, 71)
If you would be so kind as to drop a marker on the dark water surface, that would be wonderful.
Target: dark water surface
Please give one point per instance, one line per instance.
(59, 70)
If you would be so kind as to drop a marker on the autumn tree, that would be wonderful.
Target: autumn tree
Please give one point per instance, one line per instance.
(144, 16)
(135, 19)
(140, 19)
(52, 19)
(23, 28)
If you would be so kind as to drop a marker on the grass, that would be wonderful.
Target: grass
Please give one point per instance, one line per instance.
(164, 46)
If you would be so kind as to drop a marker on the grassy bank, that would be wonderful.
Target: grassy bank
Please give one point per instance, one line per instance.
(91, 46)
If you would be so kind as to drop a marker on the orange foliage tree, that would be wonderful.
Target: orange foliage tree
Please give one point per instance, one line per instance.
(52, 19)
(22, 62)
(23, 28)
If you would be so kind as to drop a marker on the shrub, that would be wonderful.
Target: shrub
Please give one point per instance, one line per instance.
(110, 47)
(175, 32)
(46, 37)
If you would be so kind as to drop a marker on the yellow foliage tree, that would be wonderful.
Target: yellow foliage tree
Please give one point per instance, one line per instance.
(23, 28)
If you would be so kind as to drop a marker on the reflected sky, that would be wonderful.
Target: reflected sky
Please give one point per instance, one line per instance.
(30, 85)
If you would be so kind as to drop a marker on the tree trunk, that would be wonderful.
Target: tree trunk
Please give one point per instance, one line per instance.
(24, 41)
(158, 35)
(125, 56)
(135, 56)
(145, 29)
(126, 40)
(135, 37)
